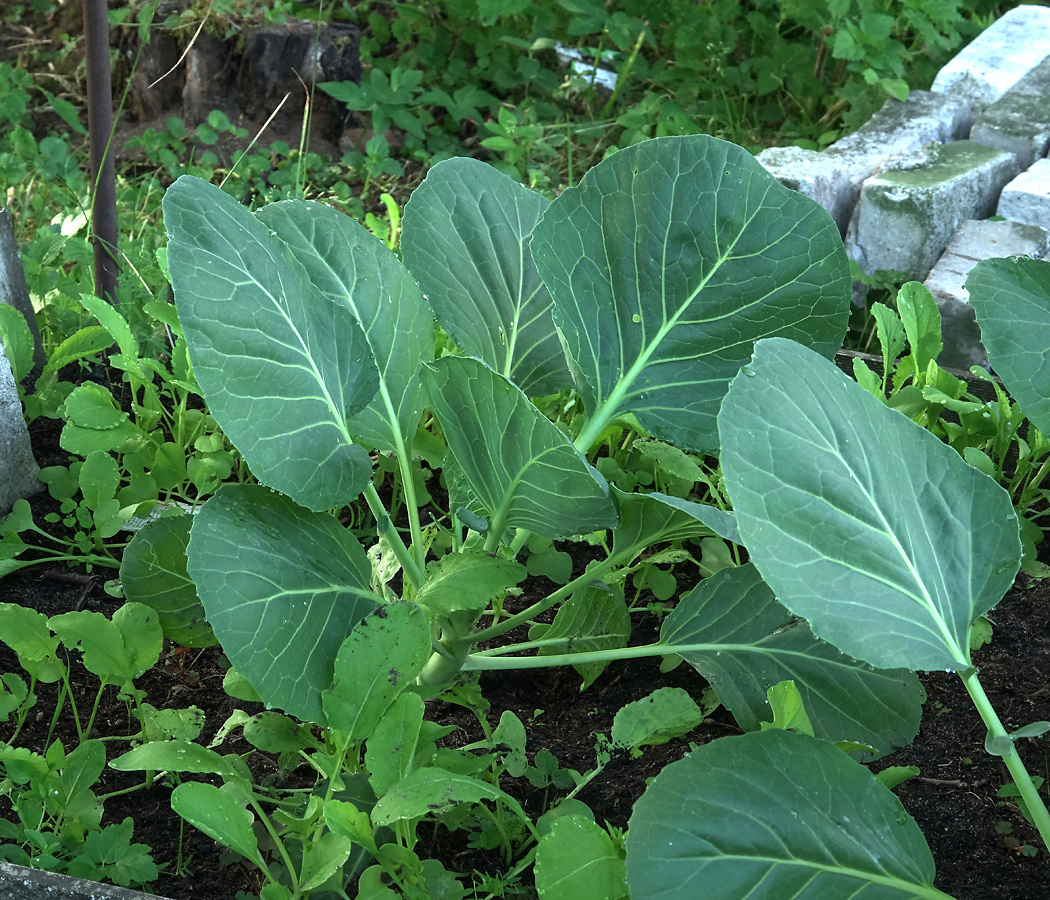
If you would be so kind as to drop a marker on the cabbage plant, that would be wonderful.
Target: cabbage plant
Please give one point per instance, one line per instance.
(890, 545)
(638, 295)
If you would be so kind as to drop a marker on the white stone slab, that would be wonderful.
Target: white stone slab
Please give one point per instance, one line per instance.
(18, 469)
(1027, 198)
(820, 177)
(834, 178)
(1019, 121)
(975, 241)
(999, 57)
(907, 214)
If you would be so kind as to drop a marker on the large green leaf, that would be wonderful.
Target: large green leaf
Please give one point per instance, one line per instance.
(753, 643)
(522, 468)
(283, 587)
(352, 268)
(861, 521)
(153, 571)
(1012, 300)
(281, 366)
(667, 262)
(770, 815)
(465, 239)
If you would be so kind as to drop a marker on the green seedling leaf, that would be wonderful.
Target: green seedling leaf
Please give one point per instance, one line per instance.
(13, 693)
(883, 538)
(110, 854)
(431, 790)
(153, 571)
(552, 563)
(670, 460)
(789, 711)
(281, 367)
(175, 756)
(866, 378)
(219, 816)
(238, 687)
(382, 656)
(665, 265)
(23, 766)
(65, 111)
(592, 618)
(577, 860)
(349, 267)
(321, 859)
(465, 240)
(753, 643)
(274, 578)
(346, 819)
(117, 326)
(892, 338)
(72, 796)
(472, 520)
(1012, 300)
(772, 815)
(922, 324)
(26, 632)
(391, 747)
(93, 422)
(892, 776)
(522, 468)
(980, 631)
(117, 650)
(648, 519)
(667, 713)
(171, 724)
(17, 341)
(99, 479)
(509, 739)
(272, 732)
(467, 580)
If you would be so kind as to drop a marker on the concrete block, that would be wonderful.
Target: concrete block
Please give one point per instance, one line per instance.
(974, 242)
(18, 469)
(1027, 197)
(19, 883)
(1019, 121)
(898, 130)
(818, 176)
(998, 58)
(908, 213)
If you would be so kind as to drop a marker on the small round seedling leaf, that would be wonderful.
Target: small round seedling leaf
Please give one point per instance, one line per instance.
(769, 815)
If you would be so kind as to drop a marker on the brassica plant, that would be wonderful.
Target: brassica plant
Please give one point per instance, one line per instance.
(638, 294)
(891, 546)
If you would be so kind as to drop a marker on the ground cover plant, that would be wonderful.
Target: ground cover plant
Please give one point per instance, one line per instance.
(529, 425)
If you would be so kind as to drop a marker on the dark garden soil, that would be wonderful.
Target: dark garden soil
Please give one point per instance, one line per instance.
(976, 838)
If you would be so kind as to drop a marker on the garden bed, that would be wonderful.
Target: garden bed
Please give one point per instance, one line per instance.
(976, 837)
